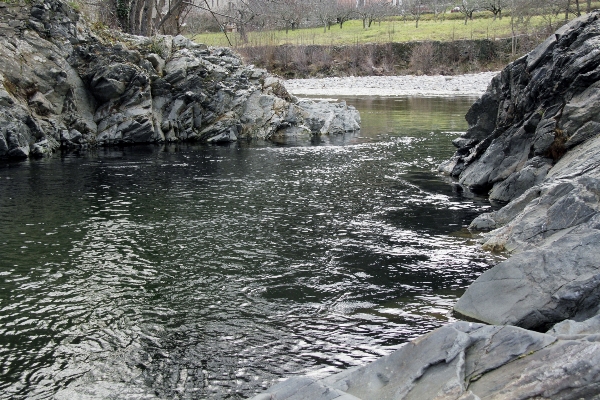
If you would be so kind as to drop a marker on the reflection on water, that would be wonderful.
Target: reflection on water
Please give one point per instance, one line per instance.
(212, 271)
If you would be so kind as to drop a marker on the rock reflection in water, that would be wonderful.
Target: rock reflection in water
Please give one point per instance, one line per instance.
(211, 271)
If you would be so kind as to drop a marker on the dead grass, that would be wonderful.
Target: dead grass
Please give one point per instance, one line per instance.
(557, 148)
(446, 58)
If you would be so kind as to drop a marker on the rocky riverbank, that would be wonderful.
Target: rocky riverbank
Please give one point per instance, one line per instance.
(533, 141)
(66, 85)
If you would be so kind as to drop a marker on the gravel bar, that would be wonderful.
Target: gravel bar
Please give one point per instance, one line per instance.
(406, 85)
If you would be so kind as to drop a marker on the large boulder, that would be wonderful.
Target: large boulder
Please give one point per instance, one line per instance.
(537, 288)
(41, 93)
(64, 84)
(535, 110)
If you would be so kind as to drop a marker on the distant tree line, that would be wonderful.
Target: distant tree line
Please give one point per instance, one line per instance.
(149, 17)
(518, 8)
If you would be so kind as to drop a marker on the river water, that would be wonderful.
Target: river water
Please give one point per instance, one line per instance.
(213, 271)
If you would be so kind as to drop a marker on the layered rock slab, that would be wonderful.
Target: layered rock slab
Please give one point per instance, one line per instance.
(464, 361)
(534, 141)
(65, 84)
(535, 110)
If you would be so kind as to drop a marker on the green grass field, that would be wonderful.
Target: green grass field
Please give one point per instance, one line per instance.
(393, 30)
(353, 32)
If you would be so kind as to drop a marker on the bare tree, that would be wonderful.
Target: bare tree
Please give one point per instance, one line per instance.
(568, 9)
(324, 12)
(494, 6)
(514, 19)
(550, 10)
(521, 13)
(439, 7)
(468, 7)
(147, 17)
(170, 15)
(373, 11)
(414, 8)
(201, 20)
(290, 12)
(248, 14)
(343, 12)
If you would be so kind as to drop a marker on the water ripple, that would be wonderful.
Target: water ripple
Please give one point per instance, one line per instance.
(213, 271)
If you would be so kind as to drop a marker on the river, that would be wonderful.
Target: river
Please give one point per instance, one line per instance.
(197, 271)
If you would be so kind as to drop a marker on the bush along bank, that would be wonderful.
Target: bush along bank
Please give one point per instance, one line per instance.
(534, 141)
(398, 58)
(66, 85)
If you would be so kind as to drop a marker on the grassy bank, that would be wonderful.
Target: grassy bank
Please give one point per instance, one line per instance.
(392, 58)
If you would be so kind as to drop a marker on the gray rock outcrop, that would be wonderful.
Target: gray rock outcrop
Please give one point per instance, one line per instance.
(466, 361)
(534, 140)
(66, 84)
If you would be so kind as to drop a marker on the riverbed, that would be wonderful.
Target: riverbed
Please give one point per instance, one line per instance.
(211, 272)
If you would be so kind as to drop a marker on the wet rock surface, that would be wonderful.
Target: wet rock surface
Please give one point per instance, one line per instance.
(533, 141)
(67, 85)
(542, 154)
(466, 361)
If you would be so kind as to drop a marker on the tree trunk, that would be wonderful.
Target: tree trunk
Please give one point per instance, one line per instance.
(147, 12)
(136, 21)
(168, 23)
(159, 5)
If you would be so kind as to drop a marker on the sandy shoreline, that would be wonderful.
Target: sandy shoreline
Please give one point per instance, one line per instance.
(407, 85)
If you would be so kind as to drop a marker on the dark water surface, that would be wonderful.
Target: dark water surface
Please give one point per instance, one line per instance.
(212, 271)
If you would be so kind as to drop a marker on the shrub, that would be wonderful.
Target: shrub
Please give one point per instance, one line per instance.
(422, 58)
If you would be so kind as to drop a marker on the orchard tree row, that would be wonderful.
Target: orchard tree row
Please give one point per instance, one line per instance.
(149, 17)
